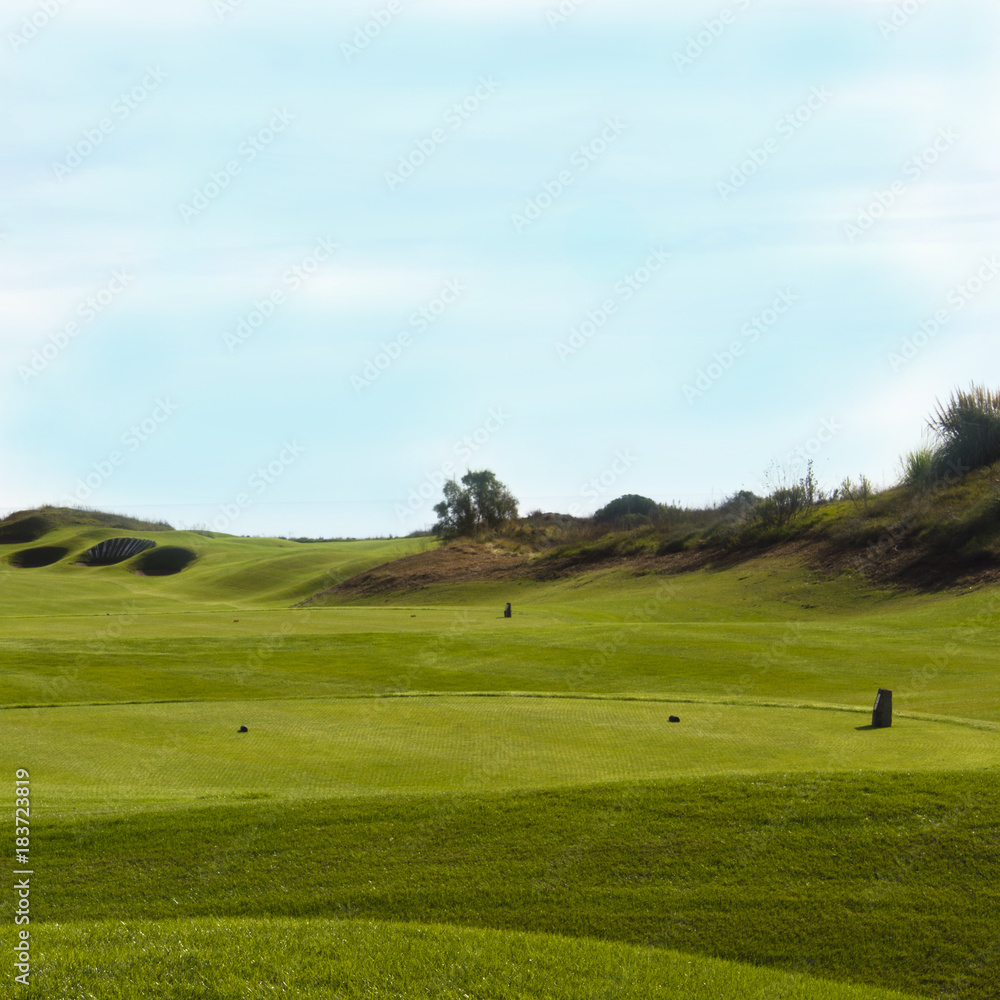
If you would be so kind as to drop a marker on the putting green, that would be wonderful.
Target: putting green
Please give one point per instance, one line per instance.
(125, 757)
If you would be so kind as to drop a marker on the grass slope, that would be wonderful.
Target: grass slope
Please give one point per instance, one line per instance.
(881, 879)
(243, 959)
(227, 572)
(735, 635)
(389, 775)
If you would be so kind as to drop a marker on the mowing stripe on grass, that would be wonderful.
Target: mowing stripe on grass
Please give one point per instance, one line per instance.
(885, 879)
(241, 959)
(119, 757)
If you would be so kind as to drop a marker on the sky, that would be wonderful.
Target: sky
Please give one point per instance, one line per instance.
(282, 267)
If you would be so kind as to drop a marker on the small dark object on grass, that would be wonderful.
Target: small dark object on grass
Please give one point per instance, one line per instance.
(243, 729)
(673, 718)
(506, 610)
(235, 620)
(882, 712)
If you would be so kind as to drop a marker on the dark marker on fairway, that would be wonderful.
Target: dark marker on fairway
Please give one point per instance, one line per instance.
(243, 729)
(673, 718)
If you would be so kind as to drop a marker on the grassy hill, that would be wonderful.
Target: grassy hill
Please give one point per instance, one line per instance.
(201, 570)
(944, 534)
(434, 800)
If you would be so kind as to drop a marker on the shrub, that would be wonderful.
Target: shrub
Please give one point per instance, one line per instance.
(781, 505)
(624, 506)
(968, 429)
(859, 493)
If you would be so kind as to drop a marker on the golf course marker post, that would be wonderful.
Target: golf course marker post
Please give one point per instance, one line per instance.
(882, 712)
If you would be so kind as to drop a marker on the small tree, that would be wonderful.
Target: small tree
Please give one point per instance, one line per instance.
(482, 501)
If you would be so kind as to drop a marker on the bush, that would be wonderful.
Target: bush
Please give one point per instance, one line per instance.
(781, 505)
(626, 506)
(968, 429)
(740, 505)
(859, 493)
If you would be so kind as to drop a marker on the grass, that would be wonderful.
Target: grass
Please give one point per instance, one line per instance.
(435, 801)
(235, 959)
(795, 872)
(136, 756)
(227, 572)
(759, 632)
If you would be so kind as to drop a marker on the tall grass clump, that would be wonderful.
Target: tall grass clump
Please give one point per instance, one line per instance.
(918, 468)
(968, 428)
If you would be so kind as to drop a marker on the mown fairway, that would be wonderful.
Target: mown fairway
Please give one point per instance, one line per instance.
(434, 801)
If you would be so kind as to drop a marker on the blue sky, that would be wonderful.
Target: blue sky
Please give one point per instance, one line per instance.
(281, 267)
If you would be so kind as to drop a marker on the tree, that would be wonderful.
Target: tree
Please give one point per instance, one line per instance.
(482, 501)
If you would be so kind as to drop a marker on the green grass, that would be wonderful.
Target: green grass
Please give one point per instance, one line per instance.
(242, 959)
(745, 633)
(816, 873)
(417, 759)
(134, 756)
(228, 572)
